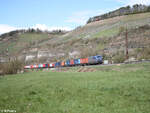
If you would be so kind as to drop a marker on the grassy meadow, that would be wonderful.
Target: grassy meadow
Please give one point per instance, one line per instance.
(125, 89)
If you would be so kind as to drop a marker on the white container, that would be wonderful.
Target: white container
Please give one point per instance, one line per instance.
(105, 62)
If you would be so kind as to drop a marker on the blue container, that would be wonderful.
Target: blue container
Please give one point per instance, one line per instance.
(76, 61)
(68, 63)
(57, 64)
(46, 65)
(40, 66)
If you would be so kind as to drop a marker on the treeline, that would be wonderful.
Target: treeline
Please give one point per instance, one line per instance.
(31, 30)
(137, 8)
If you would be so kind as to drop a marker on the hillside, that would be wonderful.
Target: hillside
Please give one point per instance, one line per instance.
(106, 37)
(128, 10)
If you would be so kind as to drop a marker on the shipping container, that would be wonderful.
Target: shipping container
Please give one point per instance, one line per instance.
(62, 64)
(53, 65)
(65, 63)
(32, 66)
(27, 67)
(41, 66)
(44, 66)
(68, 63)
(86, 60)
(76, 61)
(50, 65)
(106, 62)
(72, 62)
(81, 60)
(57, 64)
(37, 66)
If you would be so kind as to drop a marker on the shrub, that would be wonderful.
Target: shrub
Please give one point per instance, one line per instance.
(12, 67)
(119, 58)
(143, 53)
(121, 29)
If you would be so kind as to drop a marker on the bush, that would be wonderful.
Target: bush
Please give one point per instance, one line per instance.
(121, 29)
(12, 67)
(119, 58)
(143, 53)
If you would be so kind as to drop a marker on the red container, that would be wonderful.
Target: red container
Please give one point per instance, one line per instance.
(27, 67)
(72, 62)
(62, 63)
(32, 66)
(44, 65)
(36, 66)
(81, 61)
(53, 65)
(84, 60)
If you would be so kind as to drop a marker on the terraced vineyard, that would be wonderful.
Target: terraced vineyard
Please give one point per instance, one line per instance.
(104, 37)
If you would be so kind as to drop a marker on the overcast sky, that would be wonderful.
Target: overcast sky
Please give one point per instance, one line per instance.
(54, 14)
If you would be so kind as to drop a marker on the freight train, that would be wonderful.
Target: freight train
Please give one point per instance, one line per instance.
(93, 60)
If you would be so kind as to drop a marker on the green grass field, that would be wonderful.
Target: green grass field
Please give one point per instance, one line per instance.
(104, 91)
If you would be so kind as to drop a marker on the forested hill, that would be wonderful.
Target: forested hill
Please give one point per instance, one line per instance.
(137, 8)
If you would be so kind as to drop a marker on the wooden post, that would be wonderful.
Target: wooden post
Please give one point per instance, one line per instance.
(127, 53)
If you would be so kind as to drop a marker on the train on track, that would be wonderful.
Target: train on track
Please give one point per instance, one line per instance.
(92, 60)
